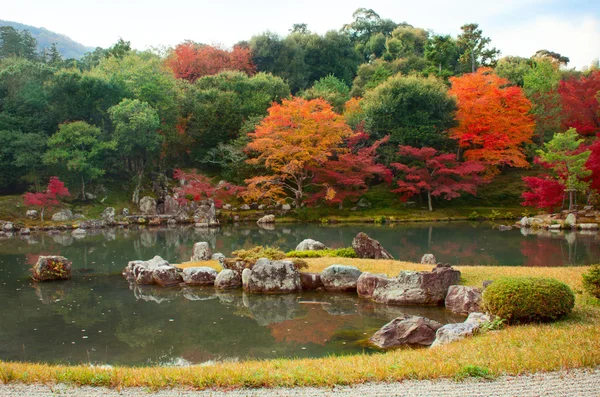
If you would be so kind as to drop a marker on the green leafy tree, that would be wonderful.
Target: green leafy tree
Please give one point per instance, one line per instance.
(138, 140)
(563, 155)
(513, 69)
(474, 48)
(413, 110)
(78, 149)
(442, 52)
(540, 84)
(407, 41)
(332, 89)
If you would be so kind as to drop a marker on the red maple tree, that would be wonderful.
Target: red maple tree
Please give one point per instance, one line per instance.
(494, 119)
(197, 187)
(347, 175)
(191, 61)
(543, 192)
(437, 174)
(580, 105)
(48, 199)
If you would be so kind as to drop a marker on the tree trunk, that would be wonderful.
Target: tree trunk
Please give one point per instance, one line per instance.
(429, 200)
(82, 189)
(135, 198)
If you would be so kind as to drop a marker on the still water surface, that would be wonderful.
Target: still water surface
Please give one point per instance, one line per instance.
(97, 318)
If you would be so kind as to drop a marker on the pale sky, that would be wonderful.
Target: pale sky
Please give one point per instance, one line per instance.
(516, 27)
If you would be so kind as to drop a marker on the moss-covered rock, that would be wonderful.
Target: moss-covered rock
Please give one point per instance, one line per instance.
(528, 299)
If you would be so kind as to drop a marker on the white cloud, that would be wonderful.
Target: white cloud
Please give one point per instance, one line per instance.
(578, 38)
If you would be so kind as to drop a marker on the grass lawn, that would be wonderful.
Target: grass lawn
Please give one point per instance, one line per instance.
(571, 343)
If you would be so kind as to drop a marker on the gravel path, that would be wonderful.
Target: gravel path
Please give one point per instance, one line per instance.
(573, 383)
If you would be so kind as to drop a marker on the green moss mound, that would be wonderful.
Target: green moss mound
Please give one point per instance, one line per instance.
(338, 252)
(591, 281)
(528, 299)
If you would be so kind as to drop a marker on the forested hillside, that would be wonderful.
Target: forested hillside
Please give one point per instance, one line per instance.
(67, 47)
(305, 118)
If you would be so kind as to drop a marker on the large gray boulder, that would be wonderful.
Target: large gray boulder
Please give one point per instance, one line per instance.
(276, 277)
(228, 279)
(108, 215)
(310, 245)
(409, 288)
(406, 330)
(463, 300)
(454, 332)
(201, 252)
(51, 268)
(340, 278)
(570, 221)
(62, 216)
(206, 215)
(199, 276)
(147, 206)
(366, 247)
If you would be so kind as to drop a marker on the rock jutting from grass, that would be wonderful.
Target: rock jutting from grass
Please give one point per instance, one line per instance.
(310, 245)
(340, 278)
(454, 332)
(406, 330)
(51, 268)
(368, 248)
(463, 300)
(428, 259)
(409, 288)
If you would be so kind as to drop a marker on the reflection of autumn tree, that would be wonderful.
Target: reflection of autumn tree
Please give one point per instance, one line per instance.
(545, 252)
(317, 327)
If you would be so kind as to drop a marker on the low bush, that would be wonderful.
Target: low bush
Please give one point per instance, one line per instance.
(591, 281)
(250, 256)
(339, 252)
(528, 299)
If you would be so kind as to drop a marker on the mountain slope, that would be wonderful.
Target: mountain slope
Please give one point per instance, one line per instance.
(67, 46)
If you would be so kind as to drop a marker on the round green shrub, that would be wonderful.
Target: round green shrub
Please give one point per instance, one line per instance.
(591, 281)
(528, 299)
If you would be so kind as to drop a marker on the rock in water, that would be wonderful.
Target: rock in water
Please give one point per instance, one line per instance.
(108, 215)
(147, 206)
(201, 252)
(570, 221)
(228, 279)
(310, 245)
(340, 278)
(463, 300)
(276, 277)
(167, 276)
(51, 268)
(406, 330)
(366, 247)
(199, 276)
(267, 219)
(428, 259)
(310, 281)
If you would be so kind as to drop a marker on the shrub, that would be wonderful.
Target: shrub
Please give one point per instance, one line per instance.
(474, 371)
(528, 299)
(339, 252)
(591, 281)
(250, 256)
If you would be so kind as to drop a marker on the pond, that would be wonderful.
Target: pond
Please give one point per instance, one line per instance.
(96, 317)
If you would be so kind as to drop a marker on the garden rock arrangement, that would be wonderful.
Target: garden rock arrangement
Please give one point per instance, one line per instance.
(587, 219)
(454, 332)
(368, 248)
(463, 300)
(409, 288)
(51, 268)
(201, 252)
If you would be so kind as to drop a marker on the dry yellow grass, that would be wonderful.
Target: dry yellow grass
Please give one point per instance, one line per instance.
(572, 343)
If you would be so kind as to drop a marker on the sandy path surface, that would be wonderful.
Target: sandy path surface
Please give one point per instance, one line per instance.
(572, 383)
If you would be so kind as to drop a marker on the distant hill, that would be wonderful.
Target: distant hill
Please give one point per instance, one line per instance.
(67, 46)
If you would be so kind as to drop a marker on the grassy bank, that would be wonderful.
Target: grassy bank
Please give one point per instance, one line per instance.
(572, 343)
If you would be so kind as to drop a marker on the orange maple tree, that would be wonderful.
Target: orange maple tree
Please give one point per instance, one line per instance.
(297, 136)
(494, 119)
(191, 61)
